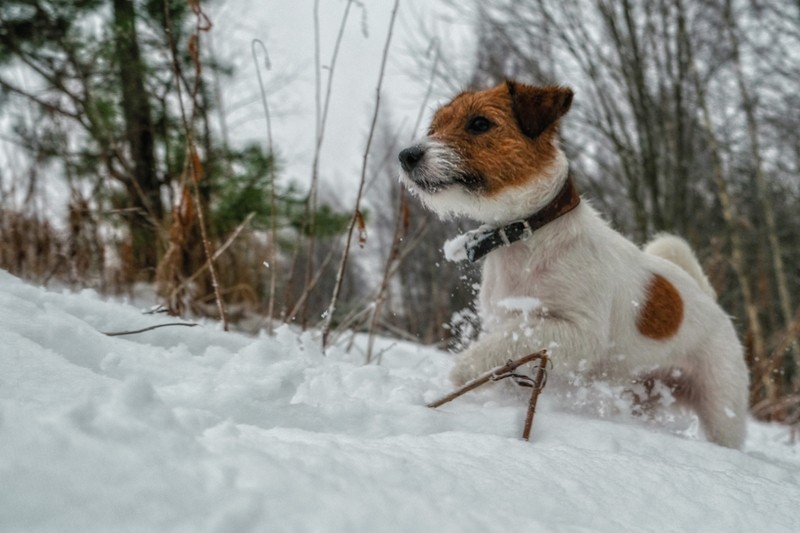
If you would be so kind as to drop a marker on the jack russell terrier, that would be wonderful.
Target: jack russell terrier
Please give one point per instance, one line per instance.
(601, 305)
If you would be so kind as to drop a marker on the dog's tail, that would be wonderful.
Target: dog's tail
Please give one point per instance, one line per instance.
(678, 251)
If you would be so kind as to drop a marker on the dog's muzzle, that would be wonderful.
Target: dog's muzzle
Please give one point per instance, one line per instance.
(410, 157)
(431, 166)
(418, 171)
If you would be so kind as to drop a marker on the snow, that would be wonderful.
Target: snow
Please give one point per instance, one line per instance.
(455, 249)
(198, 430)
(525, 305)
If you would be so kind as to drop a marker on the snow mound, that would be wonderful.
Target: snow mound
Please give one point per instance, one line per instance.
(198, 430)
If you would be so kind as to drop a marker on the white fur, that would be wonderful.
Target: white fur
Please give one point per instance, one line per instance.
(591, 282)
(513, 203)
(678, 251)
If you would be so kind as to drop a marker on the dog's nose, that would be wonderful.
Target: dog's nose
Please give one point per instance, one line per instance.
(410, 157)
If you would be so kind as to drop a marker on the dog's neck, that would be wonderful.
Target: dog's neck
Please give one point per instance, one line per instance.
(480, 242)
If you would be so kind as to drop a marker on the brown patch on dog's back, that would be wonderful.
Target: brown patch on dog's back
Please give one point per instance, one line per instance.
(662, 313)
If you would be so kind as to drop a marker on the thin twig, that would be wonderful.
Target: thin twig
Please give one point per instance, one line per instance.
(120, 333)
(352, 318)
(216, 255)
(769, 407)
(273, 262)
(302, 300)
(194, 165)
(396, 255)
(356, 213)
(538, 385)
(789, 336)
(322, 119)
(399, 332)
(492, 375)
(507, 371)
(367, 302)
(401, 220)
(436, 54)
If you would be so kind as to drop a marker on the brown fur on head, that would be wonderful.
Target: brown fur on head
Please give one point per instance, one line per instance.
(518, 142)
(491, 155)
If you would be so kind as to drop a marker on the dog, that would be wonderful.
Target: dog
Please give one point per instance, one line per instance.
(557, 276)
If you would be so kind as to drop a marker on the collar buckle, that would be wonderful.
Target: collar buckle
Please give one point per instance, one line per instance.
(501, 232)
(527, 231)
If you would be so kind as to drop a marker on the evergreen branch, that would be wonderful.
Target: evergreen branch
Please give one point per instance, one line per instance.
(48, 106)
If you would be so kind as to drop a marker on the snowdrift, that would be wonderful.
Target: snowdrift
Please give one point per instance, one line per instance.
(197, 430)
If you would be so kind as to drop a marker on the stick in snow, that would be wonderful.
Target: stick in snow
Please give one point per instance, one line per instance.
(507, 371)
(119, 333)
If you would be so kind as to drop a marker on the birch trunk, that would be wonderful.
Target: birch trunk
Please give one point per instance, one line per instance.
(762, 190)
(729, 216)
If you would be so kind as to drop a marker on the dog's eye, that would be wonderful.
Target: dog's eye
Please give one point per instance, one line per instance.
(479, 125)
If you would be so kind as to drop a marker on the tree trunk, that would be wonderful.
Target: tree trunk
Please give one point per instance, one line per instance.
(142, 185)
(755, 330)
(759, 177)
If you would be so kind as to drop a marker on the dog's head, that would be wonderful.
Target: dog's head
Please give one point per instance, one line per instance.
(491, 155)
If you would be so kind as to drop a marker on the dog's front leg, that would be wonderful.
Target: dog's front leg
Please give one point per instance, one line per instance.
(567, 341)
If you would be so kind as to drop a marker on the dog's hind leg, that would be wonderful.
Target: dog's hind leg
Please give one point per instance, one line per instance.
(717, 389)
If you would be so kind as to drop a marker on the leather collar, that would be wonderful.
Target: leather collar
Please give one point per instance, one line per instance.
(481, 242)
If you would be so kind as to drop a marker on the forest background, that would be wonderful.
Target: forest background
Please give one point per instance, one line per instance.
(686, 119)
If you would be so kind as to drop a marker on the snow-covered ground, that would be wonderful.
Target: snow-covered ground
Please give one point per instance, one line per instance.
(195, 429)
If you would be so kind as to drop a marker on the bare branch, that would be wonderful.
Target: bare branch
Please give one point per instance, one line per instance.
(356, 210)
(216, 255)
(134, 332)
(273, 261)
(322, 119)
(500, 372)
(507, 371)
(48, 106)
(193, 165)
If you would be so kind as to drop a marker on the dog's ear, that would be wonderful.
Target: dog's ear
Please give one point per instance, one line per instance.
(536, 108)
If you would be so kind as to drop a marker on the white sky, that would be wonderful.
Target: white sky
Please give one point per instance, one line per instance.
(287, 29)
